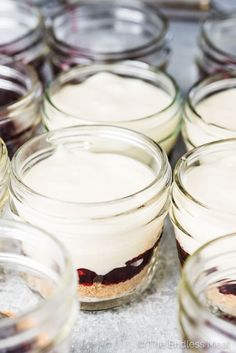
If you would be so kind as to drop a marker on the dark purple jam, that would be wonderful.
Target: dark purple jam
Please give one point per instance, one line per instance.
(182, 253)
(133, 267)
(228, 289)
(8, 97)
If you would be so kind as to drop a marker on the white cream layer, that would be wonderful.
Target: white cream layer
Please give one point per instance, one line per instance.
(213, 185)
(218, 110)
(105, 97)
(96, 242)
(112, 99)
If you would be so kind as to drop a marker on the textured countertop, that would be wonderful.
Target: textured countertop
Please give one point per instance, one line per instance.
(150, 323)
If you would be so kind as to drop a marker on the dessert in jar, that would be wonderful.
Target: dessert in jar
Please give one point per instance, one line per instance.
(121, 30)
(128, 94)
(209, 112)
(22, 36)
(38, 303)
(207, 297)
(217, 49)
(104, 192)
(20, 96)
(204, 195)
(4, 174)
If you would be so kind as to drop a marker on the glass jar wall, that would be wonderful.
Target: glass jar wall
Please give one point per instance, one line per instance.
(4, 174)
(121, 30)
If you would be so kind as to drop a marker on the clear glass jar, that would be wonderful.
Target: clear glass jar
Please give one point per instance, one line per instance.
(49, 8)
(217, 49)
(163, 126)
(4, 174)
(121, 30)
(114, 244)
(37, 291)
(199, 129)
(207, 297)
(203, 196)
(22, 36)
(20, 97)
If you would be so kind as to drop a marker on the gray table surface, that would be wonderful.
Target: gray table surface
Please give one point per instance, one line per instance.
(150, 323)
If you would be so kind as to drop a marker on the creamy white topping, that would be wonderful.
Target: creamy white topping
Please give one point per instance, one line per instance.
(213, 185)
(218, 121)
(99, 238)
(219, 109)
(108, 97)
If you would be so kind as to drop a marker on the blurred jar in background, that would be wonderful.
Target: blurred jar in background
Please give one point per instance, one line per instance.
(49, 8)
(20, 95)
(217, 46)
(121, 30)
(22, 36)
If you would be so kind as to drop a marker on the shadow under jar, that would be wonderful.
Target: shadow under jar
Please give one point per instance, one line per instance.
(207, 297)
(109, 31)
(38, 303)
(4, 174)
(217, 48)
(204, 196)
(20, 95)
(209, 112)
(130, 94)
(22, 36)
(104, 192)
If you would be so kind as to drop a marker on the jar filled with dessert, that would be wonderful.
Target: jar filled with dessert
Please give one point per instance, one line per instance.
(121, 30)
(207, 297)
(209, 112)
(38, 303)
(4, 174)
(22, 36)
(104, 192)
(217, 49)
(130, 94)
(204, 196)
(20, 96)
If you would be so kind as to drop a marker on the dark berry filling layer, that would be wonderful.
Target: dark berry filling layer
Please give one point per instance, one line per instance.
(8, 97)
(118, 275)
(228, 289)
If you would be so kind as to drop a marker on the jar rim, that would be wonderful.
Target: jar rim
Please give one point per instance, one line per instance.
(137, 51)
(66, 281)
(104, 130)
(202, 83)
(181, 166)
(208, 40)
(97, 68)
(185, 279)
(33, 11)
(33, 86)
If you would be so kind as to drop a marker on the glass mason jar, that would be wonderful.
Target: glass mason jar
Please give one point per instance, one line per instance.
(4, 174)
(20, 96)
(162, 126)
(217, 124)
(37, 291)
(217, 49)
(121, 30)
(207, 297)
(114, 244)
(22, 36)
(203, 196)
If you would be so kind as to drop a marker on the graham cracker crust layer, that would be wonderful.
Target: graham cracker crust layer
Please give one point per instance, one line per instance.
(99, 290)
